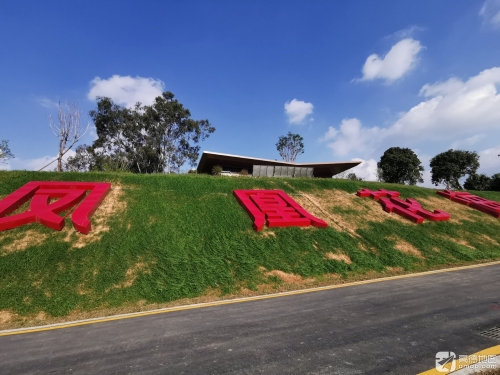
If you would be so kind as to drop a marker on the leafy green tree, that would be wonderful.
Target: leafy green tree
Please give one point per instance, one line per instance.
(495, 182)
(5, 153)
(448, 167)
(477, 182)
(146, 139)
(173, 133)
(352, 176)
(290, 146)
(82, 161)
(401, 166)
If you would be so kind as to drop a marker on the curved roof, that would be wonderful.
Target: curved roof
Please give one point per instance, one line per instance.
(210, 159)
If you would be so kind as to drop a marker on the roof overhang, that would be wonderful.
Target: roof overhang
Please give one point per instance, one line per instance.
(210, 159)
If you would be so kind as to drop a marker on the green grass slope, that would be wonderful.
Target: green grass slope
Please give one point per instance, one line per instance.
(159, 238)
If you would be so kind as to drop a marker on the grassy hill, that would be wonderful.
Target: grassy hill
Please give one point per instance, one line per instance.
(160, 240)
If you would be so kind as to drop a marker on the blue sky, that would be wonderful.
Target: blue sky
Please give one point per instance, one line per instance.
(353, 78)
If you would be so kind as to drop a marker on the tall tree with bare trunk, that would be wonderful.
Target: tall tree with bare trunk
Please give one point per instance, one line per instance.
(68, 129)
(290, 146)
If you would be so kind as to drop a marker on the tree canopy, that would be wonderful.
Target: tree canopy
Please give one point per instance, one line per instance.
(145, 139)
(290, 146)
(5, 152)
(495, 182)
(477, 182)
(401, 166)
(448, 167)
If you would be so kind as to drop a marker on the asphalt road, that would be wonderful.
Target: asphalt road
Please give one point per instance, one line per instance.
(390, 327)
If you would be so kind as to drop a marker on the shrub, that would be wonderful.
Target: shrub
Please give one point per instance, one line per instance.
(217, 170)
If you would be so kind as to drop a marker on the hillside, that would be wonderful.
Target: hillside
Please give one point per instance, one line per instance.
(158, 240)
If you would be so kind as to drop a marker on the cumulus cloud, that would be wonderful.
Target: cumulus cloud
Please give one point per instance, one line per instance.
(471, 141)
(490, 12)
(351, 136)
(399, 60)
(126, 90)
(367, 170)
(35, 164)
(451, 109)
(490, 161)
(297, 111)
(330, 134)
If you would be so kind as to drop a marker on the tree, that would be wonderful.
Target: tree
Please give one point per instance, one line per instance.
(400, 166)
(290, 146)
(448, 167)
(147, 139)
(495, 182)
(352, 176)
(5, 153)
(173, 133)
(69, 130)
(477, 182)
(82, 161)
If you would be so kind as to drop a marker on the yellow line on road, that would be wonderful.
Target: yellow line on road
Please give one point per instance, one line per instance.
(231, 301)
(462, 363)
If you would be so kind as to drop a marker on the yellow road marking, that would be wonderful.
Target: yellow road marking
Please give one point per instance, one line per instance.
(470, 360)
(231, 301)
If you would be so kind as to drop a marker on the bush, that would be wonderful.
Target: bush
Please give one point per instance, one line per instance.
(495, 182)
(217, 170)
(244, 172)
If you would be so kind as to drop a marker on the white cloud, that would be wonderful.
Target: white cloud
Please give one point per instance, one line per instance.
(330, 134)
(452, 109)
(367, 170)
(36, 164)
(297, 111)
(489, 160)
(126, 90)
(352, 136)
(471, 141)
(406, 33)
(490, 11)
(399, 60)
(47, 103)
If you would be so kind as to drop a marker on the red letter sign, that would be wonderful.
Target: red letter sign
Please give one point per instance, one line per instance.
(409, 209)
(277, 207)
(481, 204)
(70, 193)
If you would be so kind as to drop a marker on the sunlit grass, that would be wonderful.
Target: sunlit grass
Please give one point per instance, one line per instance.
(181, 235)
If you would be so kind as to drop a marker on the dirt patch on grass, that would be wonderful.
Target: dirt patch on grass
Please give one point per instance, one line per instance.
(486, 239)
(343, 211)
(458, 212)
(23, 241)
(268, 233)
(340, 257)
(5, 316)
(132, 274)
(289, 278)
(111, 207)
(405, 247)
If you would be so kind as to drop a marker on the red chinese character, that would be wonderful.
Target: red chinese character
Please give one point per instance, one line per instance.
(376, 195)
(481, 204)
(409, 209)
(44, 212)
(277, 208)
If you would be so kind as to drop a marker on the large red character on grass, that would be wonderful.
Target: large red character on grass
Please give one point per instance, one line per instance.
(410, 208)
(41, 210)
(275, 207)
(482, 204)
